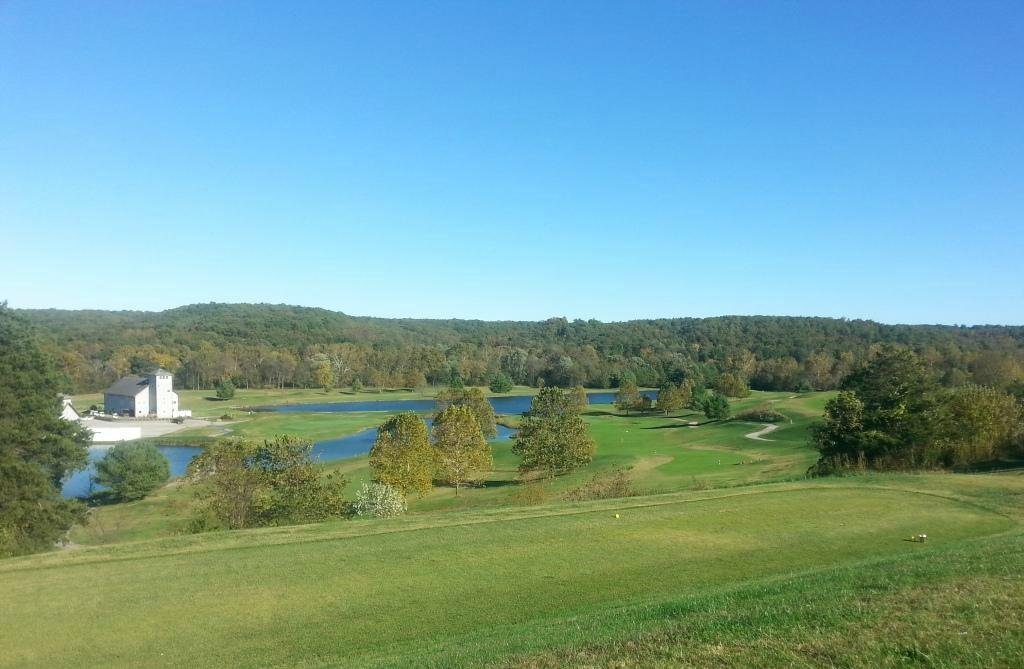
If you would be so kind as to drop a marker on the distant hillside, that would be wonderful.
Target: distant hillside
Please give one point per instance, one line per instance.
(281, 345)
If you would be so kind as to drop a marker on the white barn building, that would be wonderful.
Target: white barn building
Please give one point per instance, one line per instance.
(149, 395)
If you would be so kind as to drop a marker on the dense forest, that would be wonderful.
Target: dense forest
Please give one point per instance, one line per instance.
(263, 345)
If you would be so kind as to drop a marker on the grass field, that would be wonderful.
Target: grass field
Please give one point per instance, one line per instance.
(727, 556)
(539, 585)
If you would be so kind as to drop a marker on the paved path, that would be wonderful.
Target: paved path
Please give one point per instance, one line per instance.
(764, 430)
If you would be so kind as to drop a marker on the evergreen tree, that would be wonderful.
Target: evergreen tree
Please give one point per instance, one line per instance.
(501, 383)
(716, 406)
(461, 454)
(37, 447)
(225, 389)
(133, 470)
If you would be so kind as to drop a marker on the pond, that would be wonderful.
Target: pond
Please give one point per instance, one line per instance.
(513, 404)
(80, 483)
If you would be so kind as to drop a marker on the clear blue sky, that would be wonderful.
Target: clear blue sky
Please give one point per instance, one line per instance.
(516, 160)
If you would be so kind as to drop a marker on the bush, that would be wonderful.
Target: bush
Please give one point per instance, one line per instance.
(531, 494)
(379, 500)
(763, 414)
(133, 470)
(616, 484)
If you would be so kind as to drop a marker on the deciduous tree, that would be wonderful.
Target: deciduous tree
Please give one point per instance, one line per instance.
(476, 400)
(461, 454)
(401, 456)
(628, 397)
(553, 438)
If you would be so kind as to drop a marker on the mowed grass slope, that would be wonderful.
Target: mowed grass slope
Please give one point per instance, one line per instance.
(467, 588)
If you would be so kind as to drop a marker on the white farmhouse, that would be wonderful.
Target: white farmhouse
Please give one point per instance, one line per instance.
(149, 395)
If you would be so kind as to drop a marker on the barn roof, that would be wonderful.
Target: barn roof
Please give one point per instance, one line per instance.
(129, 386)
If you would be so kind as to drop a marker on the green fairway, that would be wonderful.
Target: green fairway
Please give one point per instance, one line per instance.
(455, 589)
(662, 453)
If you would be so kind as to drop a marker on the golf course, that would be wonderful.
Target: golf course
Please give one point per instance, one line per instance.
(720, 556)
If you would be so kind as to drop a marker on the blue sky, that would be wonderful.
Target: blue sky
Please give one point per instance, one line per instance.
(516, 160)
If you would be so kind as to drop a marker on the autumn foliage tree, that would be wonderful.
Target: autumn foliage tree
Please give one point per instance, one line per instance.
(461, 454)
(475, 399)
(402, 456)
(628, 397)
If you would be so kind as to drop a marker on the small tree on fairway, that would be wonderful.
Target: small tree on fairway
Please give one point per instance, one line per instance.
(628, 398)
(324, 375)
(670, 398)
(225, 389)
(401, 456)
(501, 383)
(133, 470)
(553, 437)
(461, 454)
(580, 398)
(716, 406)
(473, 398)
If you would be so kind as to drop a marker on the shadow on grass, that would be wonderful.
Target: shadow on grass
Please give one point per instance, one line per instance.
(991, 466)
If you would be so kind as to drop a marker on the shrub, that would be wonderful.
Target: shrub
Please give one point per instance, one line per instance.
(531, 494)
(616, 484)
(379, 500)
(765, 414)
(133, 470)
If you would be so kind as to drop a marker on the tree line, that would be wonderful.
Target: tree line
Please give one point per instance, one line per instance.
(892, 413)
(277, 346)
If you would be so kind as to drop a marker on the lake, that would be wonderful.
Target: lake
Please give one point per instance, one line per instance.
(80, 484)
(513, 404)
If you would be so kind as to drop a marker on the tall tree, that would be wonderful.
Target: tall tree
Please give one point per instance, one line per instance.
(401, 456)
(473, 398)
(553, 438)
(461, 454)
(37, 447)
